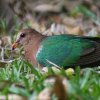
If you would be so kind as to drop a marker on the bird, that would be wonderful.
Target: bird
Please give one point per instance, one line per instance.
(63, 50)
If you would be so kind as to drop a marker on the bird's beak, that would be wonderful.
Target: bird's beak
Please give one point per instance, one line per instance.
(15, 44)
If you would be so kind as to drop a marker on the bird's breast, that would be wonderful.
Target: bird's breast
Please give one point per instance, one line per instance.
(30, 55)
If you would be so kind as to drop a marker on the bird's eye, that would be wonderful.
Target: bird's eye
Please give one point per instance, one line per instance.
(23, 34)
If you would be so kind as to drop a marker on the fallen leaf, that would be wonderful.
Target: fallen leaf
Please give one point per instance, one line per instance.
(46, 8)
(57, 29)
(59, 89)
(75, 30)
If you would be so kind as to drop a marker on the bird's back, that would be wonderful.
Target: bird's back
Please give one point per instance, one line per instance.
(68, 50)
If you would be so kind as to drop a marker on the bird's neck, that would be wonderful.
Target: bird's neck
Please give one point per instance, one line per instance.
(32, 48)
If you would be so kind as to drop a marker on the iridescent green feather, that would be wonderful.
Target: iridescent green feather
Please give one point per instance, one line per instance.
(62, 50)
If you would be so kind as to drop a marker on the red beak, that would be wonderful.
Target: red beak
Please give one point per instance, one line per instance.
(15, 44)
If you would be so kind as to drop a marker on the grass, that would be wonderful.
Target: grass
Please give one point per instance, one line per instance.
(21, 78)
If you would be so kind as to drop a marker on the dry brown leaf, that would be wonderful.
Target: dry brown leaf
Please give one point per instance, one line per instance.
(59, 89)
(98, 30)
(47, 8)
(5, 40)
(75, 30)
(39, 27)
(57, 29)
(69, 21)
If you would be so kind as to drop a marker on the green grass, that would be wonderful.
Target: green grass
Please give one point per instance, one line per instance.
(21, 78)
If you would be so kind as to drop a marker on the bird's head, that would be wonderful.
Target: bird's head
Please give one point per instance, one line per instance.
(24, 37)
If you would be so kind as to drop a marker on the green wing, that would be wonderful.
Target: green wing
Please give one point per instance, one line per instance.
(62, 50)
